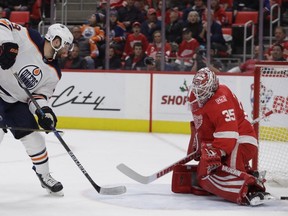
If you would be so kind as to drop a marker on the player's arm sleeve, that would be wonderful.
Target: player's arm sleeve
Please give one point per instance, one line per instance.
(42, 96)
(6, 31)
(100, 35)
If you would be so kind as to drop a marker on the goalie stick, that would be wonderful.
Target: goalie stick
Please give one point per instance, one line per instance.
(101, 190)
(150, 178)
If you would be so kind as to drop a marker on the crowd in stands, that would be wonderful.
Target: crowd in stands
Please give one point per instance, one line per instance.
(135, 40)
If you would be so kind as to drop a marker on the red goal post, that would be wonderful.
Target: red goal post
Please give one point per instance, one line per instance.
(271, 94)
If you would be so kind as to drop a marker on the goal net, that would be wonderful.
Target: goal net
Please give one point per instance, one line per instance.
(271, 94)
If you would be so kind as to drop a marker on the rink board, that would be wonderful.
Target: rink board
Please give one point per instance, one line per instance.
(135, 101)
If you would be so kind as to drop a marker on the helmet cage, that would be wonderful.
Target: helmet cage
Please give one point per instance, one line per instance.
(204, 85)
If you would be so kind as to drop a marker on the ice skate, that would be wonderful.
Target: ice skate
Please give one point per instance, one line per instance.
(52, 186)
(259, 198)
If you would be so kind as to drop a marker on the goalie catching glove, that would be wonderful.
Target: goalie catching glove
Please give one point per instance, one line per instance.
(47, 120)
(210, 160)
(8, 54)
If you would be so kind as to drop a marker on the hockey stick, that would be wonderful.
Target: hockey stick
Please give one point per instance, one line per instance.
(29, 129)
(100, 190)
(148, 179)
(265, 115)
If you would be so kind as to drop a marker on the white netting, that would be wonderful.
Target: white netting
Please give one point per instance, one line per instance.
(273, 141)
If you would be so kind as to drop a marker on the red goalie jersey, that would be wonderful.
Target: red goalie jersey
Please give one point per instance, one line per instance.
(223, 122)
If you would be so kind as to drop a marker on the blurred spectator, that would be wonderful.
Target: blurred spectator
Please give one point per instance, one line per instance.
(136, 36)
(114, 60)
(226, 4)
(194, 24)
(87, 48)
(218, 12)
(167, 12)
(280, 38)
(115, 4)
(129, 14)
(117, 35)
(174, 27)
(277, 53)
(36, 14)
(199, 6)
(249, 65)
(245, 5)
(200, 60)
(267, 15)
(22, 5)
(73, 60)
(93, 30)
(135, 61)
(142, 6)
(155, 64)
(150, 25)
(187, 49)
(4, 8)
(157, 45)
(46, 8)
(218, 42)
(181, 5)
(102, 7)
(159, 12)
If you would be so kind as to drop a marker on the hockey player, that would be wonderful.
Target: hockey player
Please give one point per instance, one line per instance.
(228, 142)
(34, 59)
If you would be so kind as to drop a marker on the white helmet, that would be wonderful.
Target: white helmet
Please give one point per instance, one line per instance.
(204, 85)
(62, 32)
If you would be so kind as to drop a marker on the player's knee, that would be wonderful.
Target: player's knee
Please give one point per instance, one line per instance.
(33, 143)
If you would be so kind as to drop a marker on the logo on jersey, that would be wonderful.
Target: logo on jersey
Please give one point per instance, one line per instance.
(88, 32)
(31, 76)
(221, 99)
(198, 120)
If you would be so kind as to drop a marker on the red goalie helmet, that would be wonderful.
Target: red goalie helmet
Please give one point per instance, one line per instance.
(204, 85)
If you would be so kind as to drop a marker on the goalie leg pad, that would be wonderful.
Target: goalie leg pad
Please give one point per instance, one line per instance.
(184, 180)
(232, 185)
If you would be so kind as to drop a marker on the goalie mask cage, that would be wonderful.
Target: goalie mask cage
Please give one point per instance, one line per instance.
(271, 93)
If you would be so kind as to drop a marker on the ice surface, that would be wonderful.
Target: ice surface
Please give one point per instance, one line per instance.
(100, 152)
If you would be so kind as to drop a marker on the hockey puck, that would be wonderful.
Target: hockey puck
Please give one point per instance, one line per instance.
(284, 198)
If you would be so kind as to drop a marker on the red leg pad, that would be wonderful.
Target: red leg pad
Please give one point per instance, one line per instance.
(184, 180)
(232, 186)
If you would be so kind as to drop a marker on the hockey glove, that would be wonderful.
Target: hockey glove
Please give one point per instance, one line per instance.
(210, 160)
(48, 120)
(8, 53)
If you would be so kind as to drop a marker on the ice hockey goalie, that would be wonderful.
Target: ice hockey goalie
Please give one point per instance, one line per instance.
(224, 142)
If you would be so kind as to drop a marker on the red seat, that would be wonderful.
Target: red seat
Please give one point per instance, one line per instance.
(227, 31)
(244, 16)
(229, 20)
(20, 17)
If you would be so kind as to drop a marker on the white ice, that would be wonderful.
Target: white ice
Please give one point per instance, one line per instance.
(100, 152)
